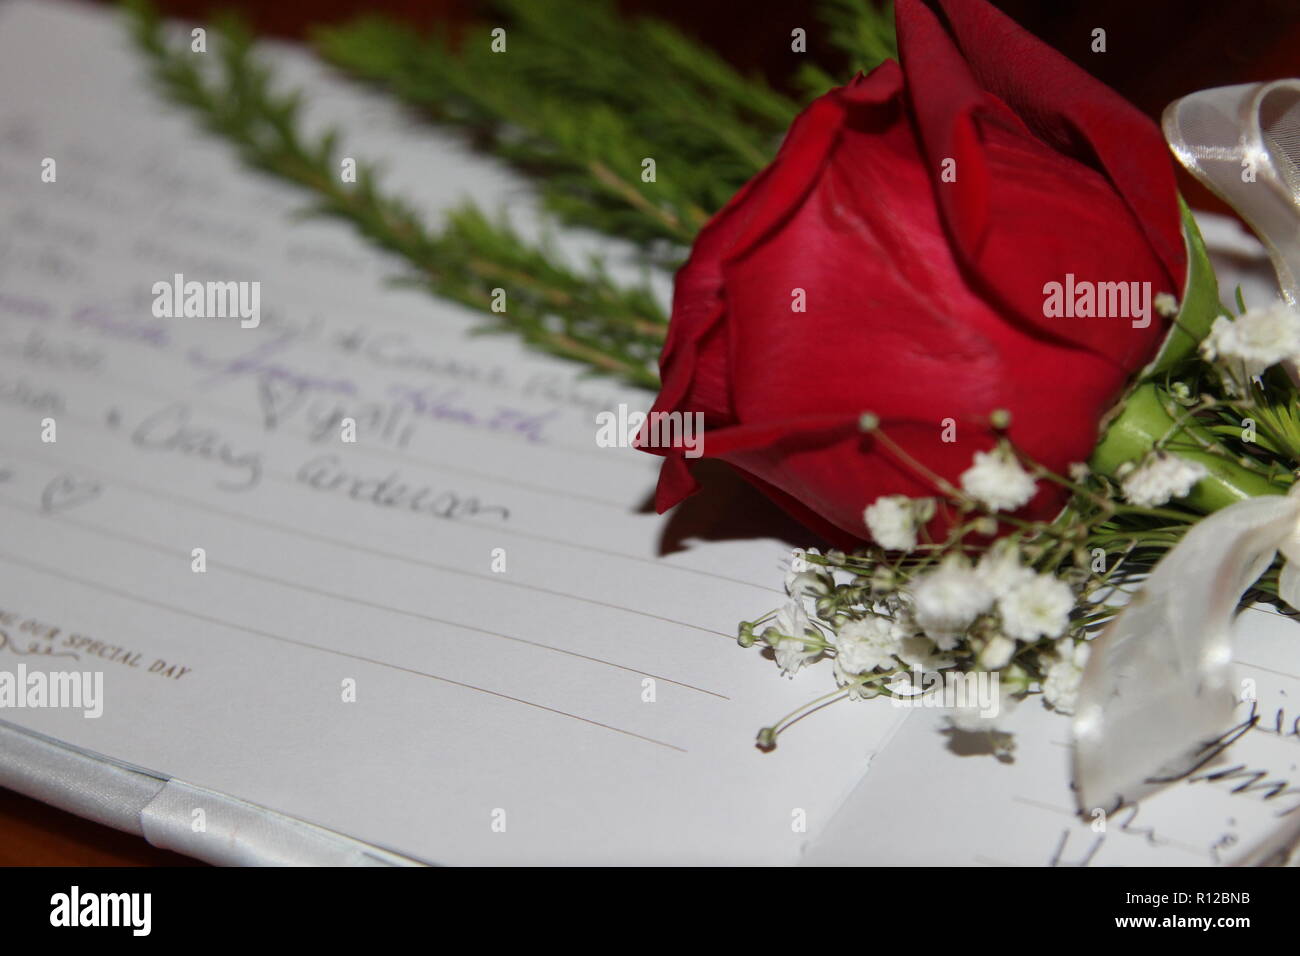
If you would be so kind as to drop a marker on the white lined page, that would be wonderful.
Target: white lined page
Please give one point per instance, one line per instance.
(963, 807)
(476, 690)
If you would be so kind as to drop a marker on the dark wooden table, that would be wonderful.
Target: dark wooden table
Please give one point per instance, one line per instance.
(35, 834)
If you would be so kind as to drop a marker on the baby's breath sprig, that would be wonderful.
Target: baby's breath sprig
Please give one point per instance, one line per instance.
(1217, 426)
(1021, 608)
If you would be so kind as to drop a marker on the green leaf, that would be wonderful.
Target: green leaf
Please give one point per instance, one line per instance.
(1200, 302)
(1144, 420)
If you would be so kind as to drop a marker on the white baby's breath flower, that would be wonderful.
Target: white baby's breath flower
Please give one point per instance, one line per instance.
(791, 655)
(1166, 304)
(792, 619)
(861, 647)
(1061, 682)
(892, 521)
(799, 562)
(1160, 477)
(997, 653)
(785, 638)
(1039, 607)
(866, 644)
(1254, 340)
(805, 579)
(1000, 569)
(900, 615)
(920, 654)
(997, 481)
(947, 599)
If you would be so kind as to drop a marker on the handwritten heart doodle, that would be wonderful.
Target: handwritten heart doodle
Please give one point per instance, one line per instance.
(68, 491)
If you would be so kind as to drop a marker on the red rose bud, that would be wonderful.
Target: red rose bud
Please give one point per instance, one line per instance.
(907, 255)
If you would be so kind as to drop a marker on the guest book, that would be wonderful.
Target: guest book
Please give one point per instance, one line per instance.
(354, 585)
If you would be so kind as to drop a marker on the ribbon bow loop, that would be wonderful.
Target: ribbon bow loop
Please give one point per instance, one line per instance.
(1243, 143)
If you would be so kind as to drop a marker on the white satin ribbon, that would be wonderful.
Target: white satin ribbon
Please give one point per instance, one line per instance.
(1243, 143)
(1159, 682)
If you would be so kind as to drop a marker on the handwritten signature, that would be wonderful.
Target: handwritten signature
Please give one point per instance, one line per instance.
(325, 473)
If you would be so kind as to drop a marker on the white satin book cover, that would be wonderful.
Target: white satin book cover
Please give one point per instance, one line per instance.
(463, 638)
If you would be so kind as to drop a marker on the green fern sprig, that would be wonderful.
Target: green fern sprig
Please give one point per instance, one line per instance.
(581, 98)
(582, 316)
(862, 31)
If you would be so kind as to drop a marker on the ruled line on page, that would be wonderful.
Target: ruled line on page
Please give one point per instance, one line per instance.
(1268, 670)
(437, 566)
(117, 535)
(305, 342)
(301, 341)
(250, 420)
(293, 481)
(608, 552)
(579, 546)
(63, 575)
(1121, 828)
